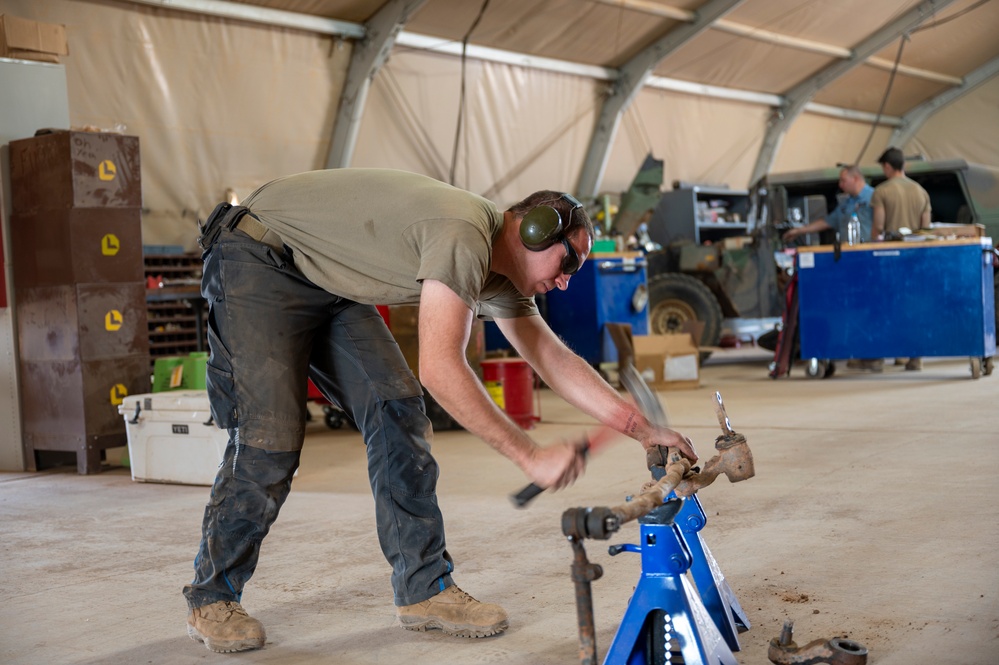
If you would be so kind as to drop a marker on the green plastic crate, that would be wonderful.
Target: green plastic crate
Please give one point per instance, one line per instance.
(180, 372)
(195, 368)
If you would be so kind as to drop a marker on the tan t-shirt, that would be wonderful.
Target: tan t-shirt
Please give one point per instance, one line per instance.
(904, 201)
(373, 236)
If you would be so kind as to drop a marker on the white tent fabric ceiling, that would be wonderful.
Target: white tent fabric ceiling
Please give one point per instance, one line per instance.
(224, 98)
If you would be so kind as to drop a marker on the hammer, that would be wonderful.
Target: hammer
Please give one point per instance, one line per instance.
(650, 406)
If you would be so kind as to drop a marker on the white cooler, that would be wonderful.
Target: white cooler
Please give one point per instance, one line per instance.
(172, 437)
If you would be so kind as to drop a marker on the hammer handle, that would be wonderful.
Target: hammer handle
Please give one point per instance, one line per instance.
(526, 495)
(592, 443)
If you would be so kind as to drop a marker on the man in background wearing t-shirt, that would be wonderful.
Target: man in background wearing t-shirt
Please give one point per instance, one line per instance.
(898, 203)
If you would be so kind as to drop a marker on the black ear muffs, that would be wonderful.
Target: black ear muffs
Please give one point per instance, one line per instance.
(540, 228)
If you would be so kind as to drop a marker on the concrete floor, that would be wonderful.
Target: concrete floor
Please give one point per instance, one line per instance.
(874, 515)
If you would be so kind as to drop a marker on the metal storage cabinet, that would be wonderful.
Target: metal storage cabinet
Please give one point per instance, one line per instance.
(77, 245)
(80, 291)
(898, 299)
(75, 170)
(698, 214)
(609, 288)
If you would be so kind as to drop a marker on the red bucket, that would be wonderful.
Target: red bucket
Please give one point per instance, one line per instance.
(512, 385)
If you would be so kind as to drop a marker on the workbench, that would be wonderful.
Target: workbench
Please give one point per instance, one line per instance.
(898, 299)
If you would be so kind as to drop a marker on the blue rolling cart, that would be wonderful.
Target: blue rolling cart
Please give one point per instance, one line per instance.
(609, 288)
(899, 299)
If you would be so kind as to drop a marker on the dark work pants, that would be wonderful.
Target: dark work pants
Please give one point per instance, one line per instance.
(269, 329)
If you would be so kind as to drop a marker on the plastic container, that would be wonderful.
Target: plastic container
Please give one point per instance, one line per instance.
(172, 438)
(853, 230)
(180, 372)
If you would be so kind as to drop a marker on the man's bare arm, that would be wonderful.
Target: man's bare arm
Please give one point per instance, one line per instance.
(579, 384)
(445, 323)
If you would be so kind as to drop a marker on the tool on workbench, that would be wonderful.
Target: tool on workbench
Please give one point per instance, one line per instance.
(837, 651)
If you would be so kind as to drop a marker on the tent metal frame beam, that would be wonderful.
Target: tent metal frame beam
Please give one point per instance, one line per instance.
(630, 80)
(265, 15)
(913, 121)
(776, 38)
(368, 56)
(798, 97)
(348, 30)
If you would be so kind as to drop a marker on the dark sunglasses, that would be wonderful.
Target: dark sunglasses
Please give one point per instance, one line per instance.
(571, 262)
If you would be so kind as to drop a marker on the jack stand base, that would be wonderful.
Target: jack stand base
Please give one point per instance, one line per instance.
(664, 592)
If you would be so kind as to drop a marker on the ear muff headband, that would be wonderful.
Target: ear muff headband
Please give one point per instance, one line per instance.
(542, 227)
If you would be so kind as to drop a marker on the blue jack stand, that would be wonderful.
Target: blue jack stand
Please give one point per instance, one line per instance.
(664, 604)
(716, 594)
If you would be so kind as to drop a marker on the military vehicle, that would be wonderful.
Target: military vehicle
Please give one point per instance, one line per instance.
(715, 254)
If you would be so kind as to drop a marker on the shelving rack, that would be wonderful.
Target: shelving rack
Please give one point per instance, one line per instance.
(176, 311)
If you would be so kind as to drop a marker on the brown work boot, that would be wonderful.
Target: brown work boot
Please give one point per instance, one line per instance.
(914, 364)
(454, 612)
(225, 627)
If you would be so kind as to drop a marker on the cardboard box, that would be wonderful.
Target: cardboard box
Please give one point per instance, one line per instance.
(667, 362)
(31, 40)
(172, 438)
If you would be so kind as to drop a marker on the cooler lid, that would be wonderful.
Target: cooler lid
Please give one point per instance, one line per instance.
(183, 401)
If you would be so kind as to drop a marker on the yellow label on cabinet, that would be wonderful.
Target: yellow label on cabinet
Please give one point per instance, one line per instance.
(118, 394)
(495, 390)
(107, 170)
(113, 320)
(110, 245)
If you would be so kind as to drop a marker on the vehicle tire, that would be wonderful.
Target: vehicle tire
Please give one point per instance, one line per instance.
(675, 298)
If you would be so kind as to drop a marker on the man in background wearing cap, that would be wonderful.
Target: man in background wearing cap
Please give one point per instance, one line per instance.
(899, 203)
